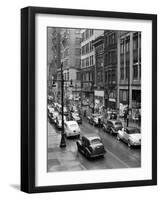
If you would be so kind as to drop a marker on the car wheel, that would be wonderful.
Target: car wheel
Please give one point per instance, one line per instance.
(129, 144)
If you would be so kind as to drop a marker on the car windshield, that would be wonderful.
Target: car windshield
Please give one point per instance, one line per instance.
(73, 125)
(133, 131)
(95, 141)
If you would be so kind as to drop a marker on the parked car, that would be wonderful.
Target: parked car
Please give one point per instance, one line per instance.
(112, 126)
(52, 117)
(94, 119)
(71, 128)
(50, 109)
(76, 117)
(130, 135)
(91, 146)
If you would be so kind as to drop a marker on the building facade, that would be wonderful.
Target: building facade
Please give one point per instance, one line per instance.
(88, 65)
(70, 41)
(129, 70)
(110, 68)
(98, 45)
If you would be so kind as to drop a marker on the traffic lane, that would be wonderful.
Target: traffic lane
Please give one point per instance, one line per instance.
(118, 155)
(130, 156)
(109, 161)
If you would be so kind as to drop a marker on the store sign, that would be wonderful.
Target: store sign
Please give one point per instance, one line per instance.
(99, 93)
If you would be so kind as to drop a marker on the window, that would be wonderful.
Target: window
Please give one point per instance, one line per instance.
(90, 46)
(122, 73)
(127, 45)
(87, 48)
(78, 77)
(140, 71)
(122, 47)
(77, 51)
(77, 62)
(135, 43)
(87, 61)
(135, 71)
(77, 41)
(127, 72)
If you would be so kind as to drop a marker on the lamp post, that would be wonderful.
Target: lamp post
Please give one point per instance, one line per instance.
(62, 141)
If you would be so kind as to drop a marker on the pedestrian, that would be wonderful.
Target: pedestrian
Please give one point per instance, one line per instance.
(85, 113)
(99, 122)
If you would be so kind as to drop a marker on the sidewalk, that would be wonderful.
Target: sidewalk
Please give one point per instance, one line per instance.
(62, 159)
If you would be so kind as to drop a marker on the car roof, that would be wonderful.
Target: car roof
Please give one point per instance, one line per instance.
(91, 137)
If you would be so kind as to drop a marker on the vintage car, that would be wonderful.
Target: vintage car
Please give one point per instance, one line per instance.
(130, 135)
(53, 116)
(112, 126)
(94, 119)
(76, 117)
(91, 146)
(71, 129)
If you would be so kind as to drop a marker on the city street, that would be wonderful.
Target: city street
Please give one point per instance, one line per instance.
(118, 154)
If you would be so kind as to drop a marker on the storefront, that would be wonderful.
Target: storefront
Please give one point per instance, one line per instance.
(99, 100)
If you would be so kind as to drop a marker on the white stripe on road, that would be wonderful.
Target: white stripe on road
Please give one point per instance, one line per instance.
(117, 158)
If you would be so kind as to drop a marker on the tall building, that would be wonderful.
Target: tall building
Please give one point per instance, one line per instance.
(129, 69)
(88, 65)
(53, 55)
(110, 67)
(98, 45)
(70, 40)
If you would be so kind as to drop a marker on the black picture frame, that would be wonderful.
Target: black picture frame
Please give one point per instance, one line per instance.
(28, 98)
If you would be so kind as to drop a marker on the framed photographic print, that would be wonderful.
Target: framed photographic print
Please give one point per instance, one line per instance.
(88, 99)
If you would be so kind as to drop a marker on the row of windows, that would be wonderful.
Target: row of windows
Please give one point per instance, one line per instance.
(110, 40)
(111, 58)
(88, 33)
(125, 44)
(87, 48)
(136, 72)
(66, 76)
(88, 76)
(89, 61)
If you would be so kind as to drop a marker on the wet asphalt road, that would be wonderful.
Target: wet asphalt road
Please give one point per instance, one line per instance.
(118, 154)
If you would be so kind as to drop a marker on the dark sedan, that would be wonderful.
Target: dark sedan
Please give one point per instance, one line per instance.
(91, 146)
(112, 126)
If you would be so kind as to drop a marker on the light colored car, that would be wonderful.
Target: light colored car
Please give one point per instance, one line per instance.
(130, 135)
(76, 117)
(71, 128)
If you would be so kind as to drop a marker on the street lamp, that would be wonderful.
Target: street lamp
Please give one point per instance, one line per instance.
(62, 141)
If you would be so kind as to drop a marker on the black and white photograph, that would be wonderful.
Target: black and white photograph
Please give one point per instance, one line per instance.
(93, 99)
